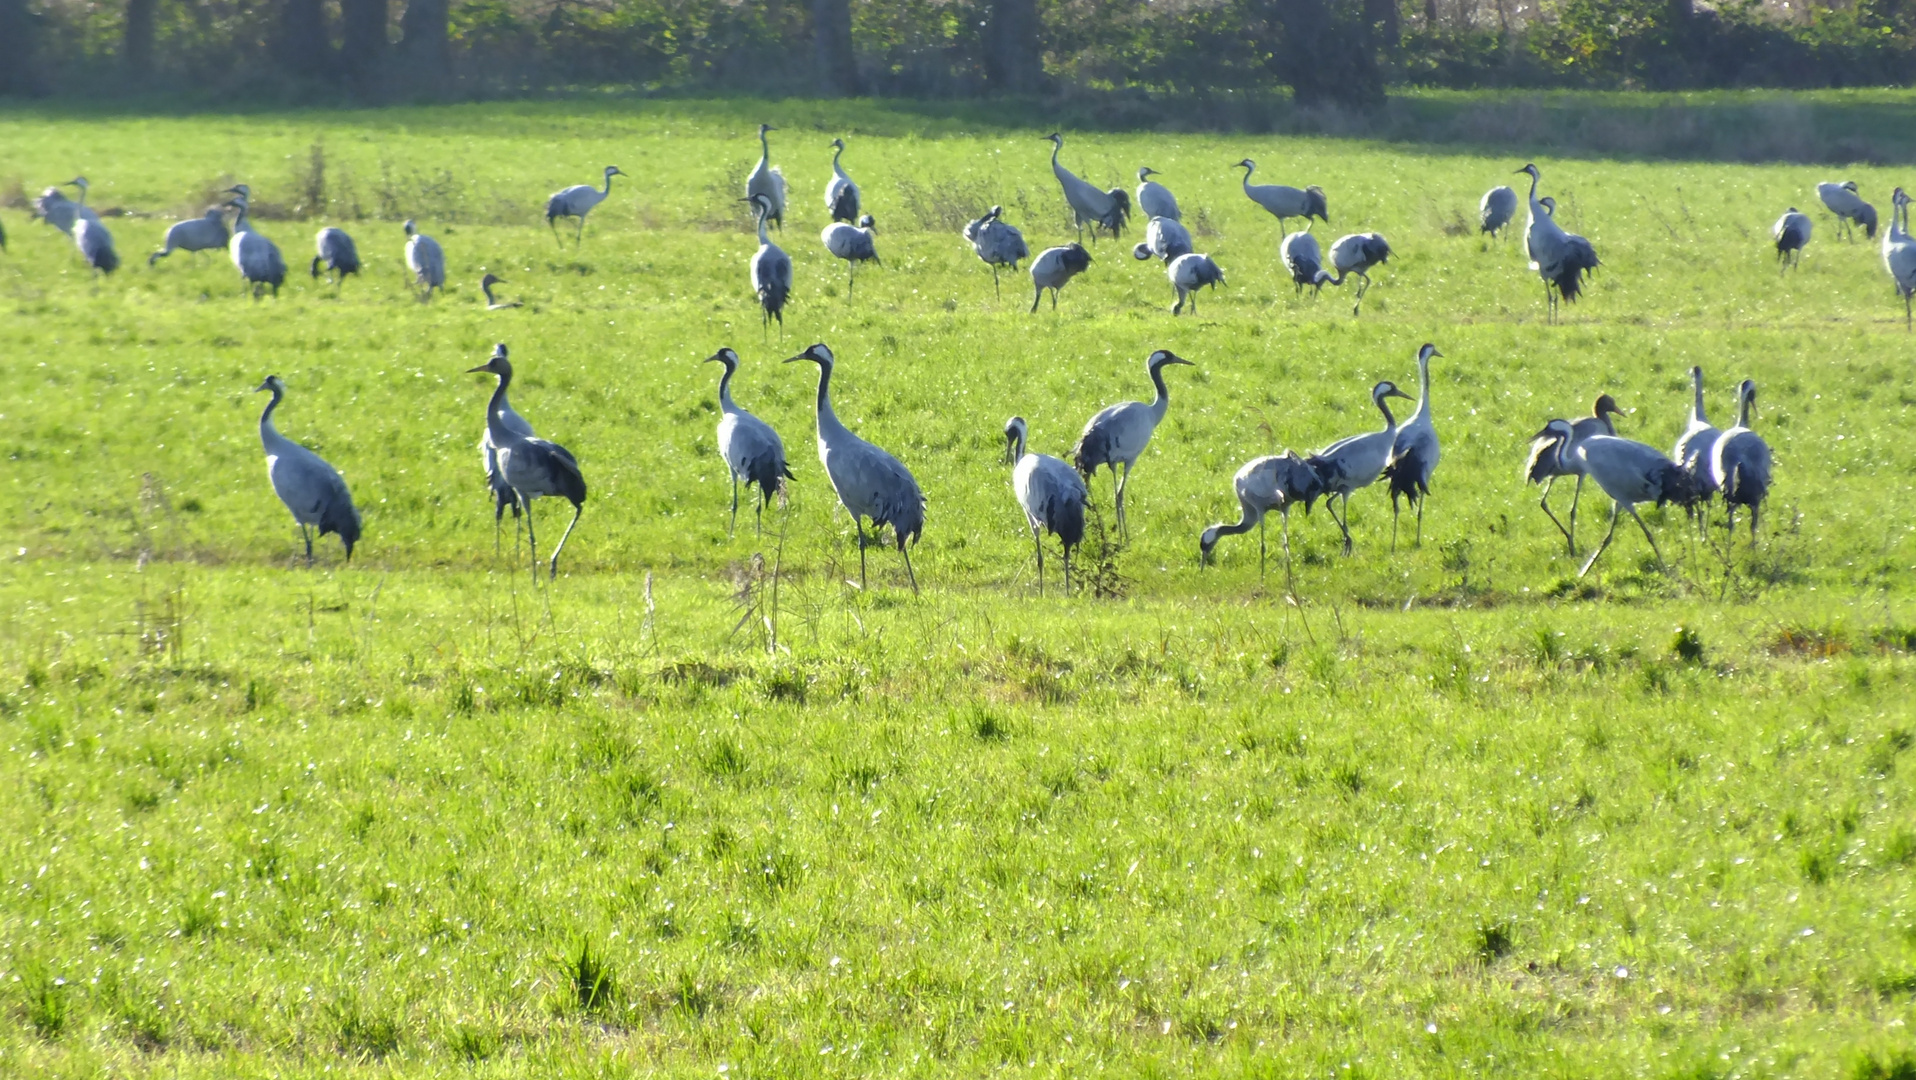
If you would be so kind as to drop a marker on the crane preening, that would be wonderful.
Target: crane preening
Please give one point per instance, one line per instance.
(771, 269)
(1054, 268)
(996, 243)
(1050, 492)
(854, 245)
(427, 261)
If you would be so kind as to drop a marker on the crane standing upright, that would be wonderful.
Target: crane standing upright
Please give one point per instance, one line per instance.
(310, 488)
(531, 467)
(576, 202)
(1051, 494)
(1118, 434)
(752, 451)
(1414, 452)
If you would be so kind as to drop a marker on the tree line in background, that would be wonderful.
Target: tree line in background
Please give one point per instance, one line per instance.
(1325, 51)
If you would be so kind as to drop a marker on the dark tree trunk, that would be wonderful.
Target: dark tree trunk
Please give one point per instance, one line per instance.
(1014, 51)
(1430, 14)
(1381, 18)
(18, 36)
(1328, 56)
(136, 43)
(303, 45)
(427, 59)
(362, 51)
(832, 41)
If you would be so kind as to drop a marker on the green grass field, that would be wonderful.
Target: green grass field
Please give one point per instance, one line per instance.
(702, 808)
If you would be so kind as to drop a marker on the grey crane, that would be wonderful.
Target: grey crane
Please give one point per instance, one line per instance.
(1051, 494)
(256, 258)
(1305, 261)
(1692, 450)
(997, 243)
(96, 245)
(1791, 233)
(427, 261)
(1356, 462)
(493, 303)
(1414, 453)
(771, 269)
(1545, 463)
(1357, 254)
(1118, 434)
(1189, 273)
(1276, 482)
(502, 497)
(576, 202)
(205, 233)
(1899, 252)
(54, 208)
(1560, 258)
(1498, 207)
(1054, 268)
(309, 487)
(1843, 200)
(870, 482)
(765, 181)
(1164, 238)
(1629, 472)
(1285, 202)
(531, 467)
(841, 195)
(852, 245)
(1740, 463)
(1154, 199)
(334, 250)
(752, 451)
(1100, 209)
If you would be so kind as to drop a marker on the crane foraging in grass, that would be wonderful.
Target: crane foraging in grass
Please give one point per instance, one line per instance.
(205, 233)
(752, 451)
(576, 202)
(1740, 463)
(1285, 202)
(997, 243)
(1054, 268)
(1498, 207)
(1189, 273)
(1100, 209)
(532, 467)
(1356, 462)
(1277, 482)
(1560, 258)
(841, 195)
(1154, 199)
(427, 261)
(1356, 254)
(1118, 434)
(96, 245)
(854, 245)
(337, 252)
(1546, 463)
(1791, 233)
(1414, 452)
(766, 181)
(1305, 261)
(870, 482)
(771, 269)
(310, 488)
(1164, 238)
(258, 259)
(1843, 200)
(1051, 494)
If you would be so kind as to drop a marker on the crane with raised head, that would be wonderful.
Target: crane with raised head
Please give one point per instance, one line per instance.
(1560, 258)
(1285, 202)
(1118, 434)
(576, 202)
(258, 259)
(751, 450)
(493, 303)
(1740, 463)
(531, 467)
(841, 195)
(1100, 209)
(766, 181)
(854, 245)
(1051, 494)
(310, 488)
(1356, 462)
(1414, 453)
(1154, 199)
(1899, 252)
(1692, 450)
(771, 269)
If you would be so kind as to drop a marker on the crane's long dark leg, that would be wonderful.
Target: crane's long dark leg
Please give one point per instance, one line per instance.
(1545, 503)
(995, 289)
(1054, 299)
(1260, 545)
(553, 224)
(1343, 523)
(908, 573)
(1124, 525)
(532, 537)
(578, 509)
(1575, 498)
(734, 529)
(578, 237)
(1661, 565)
(1288, 583)
(859, 524)
(1421, 499)
(1754, 511)
(851, 279)
(1037, 542)
(1615, 513)
(1067, 570)
(307, 535)
(499, 522)
(1393, 523)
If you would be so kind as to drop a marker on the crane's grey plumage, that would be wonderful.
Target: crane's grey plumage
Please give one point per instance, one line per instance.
(531, 467)
(1546, 463)
(1740, 463)
(334, 250)
(1560, 258)
(1099, 209)
(1498, 207)
(1054, 268)
(1842, 199)
(852, 245)
(1189, 273)
(766, 181)
(1119, 433)
(493, 303)
(1154, 199)
(1899, 252)
(502, 497)
(1305, 261)
(1164, 238)
(1285, 202)
(870, 482)
(1356, 254)
(1277, 482)
(1792, 234)
(205, 233)
(752, 451)
(1414, 453)
(771, 269)
(54, 208)
(1630, 473)
(256, 258)
(576, 202)
(1356, 462)
(1051, 494)
(997, 243)
(427, 261)
(96, 245)
(841, 195)
(1693, 447)
(310, 488)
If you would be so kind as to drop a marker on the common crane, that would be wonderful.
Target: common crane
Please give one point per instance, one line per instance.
(1545, 464)
(54, 208)
(1692, 450)
(502, 498)
(1119, 433)
(1277, 482)
(771, 269)
(1899, 252)
(752, 451)
(1499, 205)
(1792, 234)
(841, 195)
(334, 250)
(765, 181)
(1560, 258)
(257, 258)
(1154, 199)
(1054, 268)
(1100, 209)
(1051, 494)
(1189, 273)
(852, 245)
(576, 202)
(1285, 202)
(96, 245)
(870, 482)
(1630, 473)
(1304, 260)
(1356, 462)
(531, 467)
(427, 261)
(205, 233)
(1164, 238)
(997, 243)
(309, 487)
(493, 303)
(1843, 200)
(1414, 453)
(1356, 254)
(1740, 463)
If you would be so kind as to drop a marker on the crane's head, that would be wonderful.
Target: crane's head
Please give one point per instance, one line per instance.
(1055, 139)
(1387, 389)
(496, 364)
(1206, 541)
(1014, 439)
(490, 280)
(241, 190)
(1746, 393)
(1426, 354)
(817, 354)
(761, 204)
(763, 128)
(613, 170)
(1163, 358)
(1555, 429)
(1247, 163)
(1849, 186)
(995, 213)
(724, 356)
(866, 222)
(1147, 171)
(272, 384)
(412, 229)
(1531, 169)
(838, 144)
(1549, 205)
(79, 182)
(1899, 197)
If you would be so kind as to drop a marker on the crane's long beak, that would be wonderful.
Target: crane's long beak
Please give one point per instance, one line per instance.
(486, 367)
(1393, 392)
(794, 359)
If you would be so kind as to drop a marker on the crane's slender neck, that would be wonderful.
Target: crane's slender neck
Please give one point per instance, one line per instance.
(1248, 517)
(497, 407)
(486, 287)
(1056, 145)
(1163, 401)
(1423, 382)
(1383, 406)
(1248, 170)
(1018, 450)
(1533, 191)
(764, 238)
(828, 425)
(764, 149)
(269, 435)
(1743, 409)
(836, 154)
(241, 223)
(608, 185)
(725, 390)
(1696, 409)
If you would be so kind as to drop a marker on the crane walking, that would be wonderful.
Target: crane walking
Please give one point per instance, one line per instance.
(336, 251)
(531, 467)
(576, 202)
(996, 243)
(1740, 463)
(1051, 494)
(1189, 273)
(1118, 434)
(1546, 463)
(310, 488)
(1356, 254)
(771, 270)
(1277, 482)
(1356, 462)
(1285, 202)
(852, 245)
(841, 195)
(1414, 453)
(205, 233)
(752, 451)
(502, 498)
(1099, 209)
(1629, 472)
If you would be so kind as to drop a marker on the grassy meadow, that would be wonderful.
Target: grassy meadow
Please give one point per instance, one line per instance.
(703, 807)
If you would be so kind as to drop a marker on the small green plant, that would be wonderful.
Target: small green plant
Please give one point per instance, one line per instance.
(1687, 645)
(1492, 942)
(46, 1003)
(591, 979)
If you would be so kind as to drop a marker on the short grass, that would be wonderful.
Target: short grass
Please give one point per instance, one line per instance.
(702, 806)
